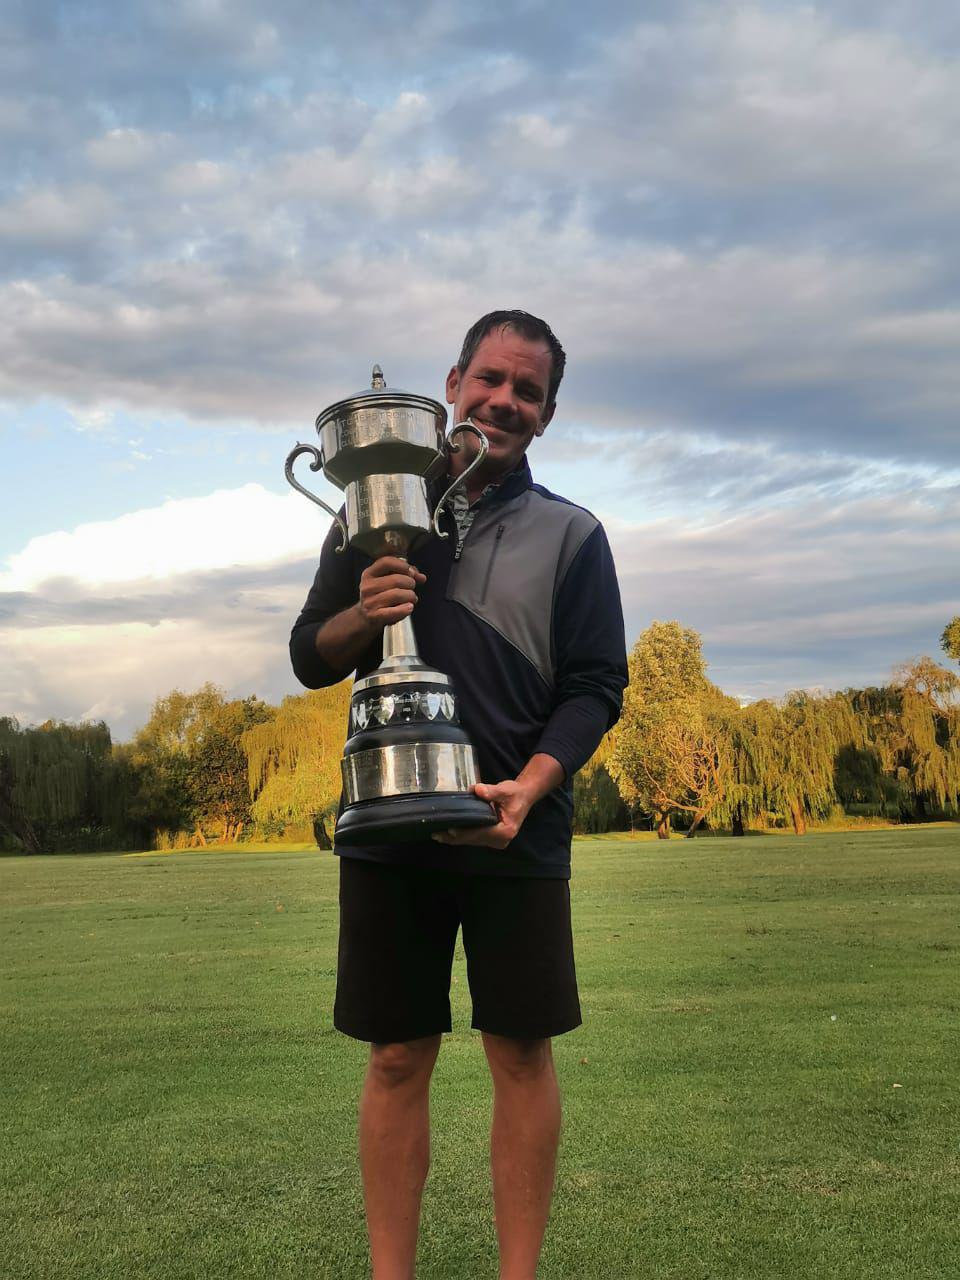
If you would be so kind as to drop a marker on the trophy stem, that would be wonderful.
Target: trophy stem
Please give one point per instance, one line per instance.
(400, 645)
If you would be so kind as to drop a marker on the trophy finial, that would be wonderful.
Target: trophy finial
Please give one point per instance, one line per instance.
(378, 379)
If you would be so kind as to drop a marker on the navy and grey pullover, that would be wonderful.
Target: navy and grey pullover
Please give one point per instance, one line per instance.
(526, 620)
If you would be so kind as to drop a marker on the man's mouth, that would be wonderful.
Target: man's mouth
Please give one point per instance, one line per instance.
(485, 425)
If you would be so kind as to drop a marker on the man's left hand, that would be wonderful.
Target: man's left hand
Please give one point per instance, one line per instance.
(513, 800)
(512, 803)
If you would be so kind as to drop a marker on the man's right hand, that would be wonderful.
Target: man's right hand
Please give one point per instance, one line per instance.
(387, 594)
(388, 591)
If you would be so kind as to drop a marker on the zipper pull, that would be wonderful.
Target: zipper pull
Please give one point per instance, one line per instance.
(500, 529)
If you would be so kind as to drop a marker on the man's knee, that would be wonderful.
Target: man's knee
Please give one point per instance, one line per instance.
(403, 1064)
(518, 1061)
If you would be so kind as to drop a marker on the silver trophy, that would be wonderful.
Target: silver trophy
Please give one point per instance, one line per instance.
(408, 766)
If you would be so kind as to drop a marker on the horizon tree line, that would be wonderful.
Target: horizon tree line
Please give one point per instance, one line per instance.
(684, 755)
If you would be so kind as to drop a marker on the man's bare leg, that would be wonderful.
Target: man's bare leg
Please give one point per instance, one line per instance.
(523, 1148)
(395, 1150)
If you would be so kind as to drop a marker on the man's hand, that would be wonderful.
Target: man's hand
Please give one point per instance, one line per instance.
(388, 591)
(513, 799)
(387, 594)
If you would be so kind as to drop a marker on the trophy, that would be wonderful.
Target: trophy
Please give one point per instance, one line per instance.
(408, 767)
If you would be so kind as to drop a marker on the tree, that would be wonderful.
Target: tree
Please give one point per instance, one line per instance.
(748, 743)
(782, 758)
(160, 755)
(293, 760)
(950, 640)
(58, 785)
(190, 764)
(806, 737)
(597, 804)
(666, 755)
(14, 819)
(217, 772)
(914, 725)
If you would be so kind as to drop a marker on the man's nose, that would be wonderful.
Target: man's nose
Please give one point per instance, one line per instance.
(502, 398)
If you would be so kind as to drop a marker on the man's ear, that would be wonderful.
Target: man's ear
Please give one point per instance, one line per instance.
(547, 416)
(453, 384)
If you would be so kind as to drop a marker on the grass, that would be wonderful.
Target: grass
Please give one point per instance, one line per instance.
(765, 1084)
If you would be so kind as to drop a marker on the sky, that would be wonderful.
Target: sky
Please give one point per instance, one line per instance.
(216, 215)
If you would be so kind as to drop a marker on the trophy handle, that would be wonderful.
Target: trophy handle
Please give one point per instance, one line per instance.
(315, 465)
(455, 448)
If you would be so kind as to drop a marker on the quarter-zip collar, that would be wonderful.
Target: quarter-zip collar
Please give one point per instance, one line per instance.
(515, 483)
(497, 492)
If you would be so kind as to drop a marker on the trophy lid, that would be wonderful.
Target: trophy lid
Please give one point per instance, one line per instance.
(379, 395)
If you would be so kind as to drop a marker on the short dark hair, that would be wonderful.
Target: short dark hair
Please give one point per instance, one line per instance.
(527, 326)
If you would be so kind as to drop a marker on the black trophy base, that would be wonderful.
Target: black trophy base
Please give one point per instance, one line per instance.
(402, 819)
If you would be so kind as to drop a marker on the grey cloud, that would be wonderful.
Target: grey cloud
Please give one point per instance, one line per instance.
(826, 594)
(721, 210)
(819, 595)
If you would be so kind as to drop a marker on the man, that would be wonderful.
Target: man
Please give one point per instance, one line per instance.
(520, 607)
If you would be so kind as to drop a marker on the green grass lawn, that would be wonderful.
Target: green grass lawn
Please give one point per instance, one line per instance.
(765, 1084)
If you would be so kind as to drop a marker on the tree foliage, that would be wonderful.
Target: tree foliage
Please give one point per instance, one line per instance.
(190, 765)
(913, 724)
(666, 755)
(683, 753)
(60, 784)
(293, 759)
(597, 803)
(950, 640)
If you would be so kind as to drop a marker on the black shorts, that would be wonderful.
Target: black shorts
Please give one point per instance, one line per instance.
(398, 928)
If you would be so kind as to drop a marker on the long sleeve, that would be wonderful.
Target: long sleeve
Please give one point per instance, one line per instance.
(334, 589)
(591, 659)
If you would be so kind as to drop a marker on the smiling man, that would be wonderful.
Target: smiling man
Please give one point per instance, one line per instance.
(521, 608)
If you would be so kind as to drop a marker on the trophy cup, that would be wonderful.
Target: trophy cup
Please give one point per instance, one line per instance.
(408, 767)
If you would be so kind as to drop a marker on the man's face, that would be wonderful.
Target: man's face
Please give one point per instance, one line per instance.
(504, 391)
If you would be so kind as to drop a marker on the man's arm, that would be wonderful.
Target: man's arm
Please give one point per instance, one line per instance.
(591, 677)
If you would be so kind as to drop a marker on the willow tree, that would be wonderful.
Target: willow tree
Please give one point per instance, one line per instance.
(14, 758)
(597, 803)
(56, 783)
(801, 755)
(293, 760)
(914, 725)
(749, 746)
(666, 753)
(781, 759)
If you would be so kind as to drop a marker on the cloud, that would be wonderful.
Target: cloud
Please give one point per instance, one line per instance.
(730, 215)
(823, 594)
(826, 593)
(248, 526)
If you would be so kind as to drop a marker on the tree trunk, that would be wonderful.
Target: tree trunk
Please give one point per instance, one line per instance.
(320, 832)
(799, 821)
(738, 820)
(200, 838)
(663, 826)
(12, 816)
(22, 829)
(698, 818)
